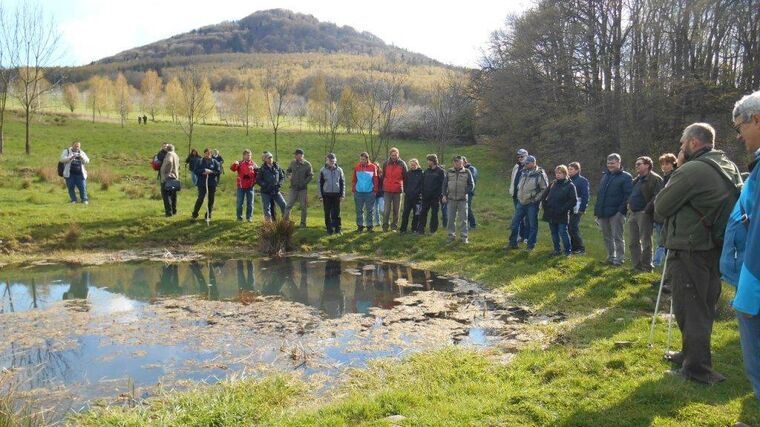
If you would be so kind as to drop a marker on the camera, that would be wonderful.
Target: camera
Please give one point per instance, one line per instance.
(246, 176)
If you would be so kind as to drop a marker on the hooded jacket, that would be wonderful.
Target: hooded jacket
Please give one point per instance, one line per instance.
(532, 185)
(331, 181)
(365, 178)
(246, 173)
(270, 178)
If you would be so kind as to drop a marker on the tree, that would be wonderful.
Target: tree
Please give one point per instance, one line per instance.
(347, 108)
(173, 98)
(150, 87)
(377, 110)
(71, 97)
(244, 102)
(276, 85)
(99, 93)
(33, 41)
(122, 97)
(7, 74)
(197, 101)
(447, 104)
(318, 100)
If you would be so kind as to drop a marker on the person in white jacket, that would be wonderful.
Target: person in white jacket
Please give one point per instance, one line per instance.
(74, 159)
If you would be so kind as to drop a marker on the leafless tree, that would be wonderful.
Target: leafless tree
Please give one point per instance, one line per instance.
(197, 101)
(276, 85)
(7, 74)
(447, 101)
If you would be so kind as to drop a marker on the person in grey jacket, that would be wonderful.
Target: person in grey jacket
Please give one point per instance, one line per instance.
(300, 173)
(74, 159)
(332, 191)
(457, 184)
(169, 170)
(530, 191)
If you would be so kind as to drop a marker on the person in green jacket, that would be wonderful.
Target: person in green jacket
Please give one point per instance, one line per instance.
(695, 205)
(300, 173)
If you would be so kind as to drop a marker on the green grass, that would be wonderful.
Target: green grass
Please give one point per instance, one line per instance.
(575, 376)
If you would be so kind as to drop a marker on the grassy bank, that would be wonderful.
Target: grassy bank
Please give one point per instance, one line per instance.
(581, 375)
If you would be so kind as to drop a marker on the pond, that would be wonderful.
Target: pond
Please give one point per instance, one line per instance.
(117, 332)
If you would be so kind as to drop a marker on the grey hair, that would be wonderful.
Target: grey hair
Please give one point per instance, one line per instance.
(169, 147)
(703, 132)
(747, 106)
(614, 156)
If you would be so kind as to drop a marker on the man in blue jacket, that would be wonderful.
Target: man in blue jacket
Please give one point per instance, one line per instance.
(207, 171)
(611, 207)
(746, 116)
(582, 188)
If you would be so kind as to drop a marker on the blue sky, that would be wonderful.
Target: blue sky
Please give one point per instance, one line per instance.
(452, 32)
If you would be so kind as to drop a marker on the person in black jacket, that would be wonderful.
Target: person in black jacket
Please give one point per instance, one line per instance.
(582, 188)
(431, 192)
(611, 207)
(412, 193)
(559, 202)
(270, 178)
(206, 170)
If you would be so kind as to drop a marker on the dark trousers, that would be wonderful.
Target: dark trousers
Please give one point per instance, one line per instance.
(445, 214)
(170, 201)
(522, 229)
(331, 203)
(431, 204)
(576, 242)
(410, 207)
(470, 216)
(696, 289)
(202, 195)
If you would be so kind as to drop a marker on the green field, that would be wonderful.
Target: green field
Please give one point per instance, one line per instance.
(576, 375)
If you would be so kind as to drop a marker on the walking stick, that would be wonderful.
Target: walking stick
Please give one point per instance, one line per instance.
(208, 208)
(657, 304)
(670, 327)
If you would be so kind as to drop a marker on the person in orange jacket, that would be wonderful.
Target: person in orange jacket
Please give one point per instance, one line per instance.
(246, 179)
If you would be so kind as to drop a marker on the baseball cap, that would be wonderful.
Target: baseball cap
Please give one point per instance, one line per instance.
(522, 152)
(298, 151)
(266, 155)
(530, 159)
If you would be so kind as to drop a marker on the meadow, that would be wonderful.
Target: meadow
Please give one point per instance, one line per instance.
(593, 369)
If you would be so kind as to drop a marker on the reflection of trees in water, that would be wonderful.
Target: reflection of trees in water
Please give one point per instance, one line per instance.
(332, 294)
(42, 365)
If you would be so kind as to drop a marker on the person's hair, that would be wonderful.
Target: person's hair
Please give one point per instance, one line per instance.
(206, 150)
(246, 151)
(614, 156)
(575, 165)
(414, 159)
(393, 149)
(76, 141)
(668, 158)
(216, 151)
(194, 151)
(169, 147)
(561, 168)
(464, 159)
(364, 154)
(433, 158)
(702, 132)
(457, 158)
(747, 106)
(646, 160)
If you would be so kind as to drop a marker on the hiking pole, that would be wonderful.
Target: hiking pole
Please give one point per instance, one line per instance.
(670, 327)
(208, 208)
(659, 298)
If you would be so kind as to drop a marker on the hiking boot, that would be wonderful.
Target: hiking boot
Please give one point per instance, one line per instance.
(450, 239)
(359, 228)
(86, 202)
(675, 357)
(465, 240)
(579, 251)
(338, 231)
(369, 230)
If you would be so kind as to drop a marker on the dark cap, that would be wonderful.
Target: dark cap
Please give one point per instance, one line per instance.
(298, 151)
(530, 159)
(331, 156)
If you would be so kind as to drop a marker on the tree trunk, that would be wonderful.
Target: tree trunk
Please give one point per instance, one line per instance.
(275, 144)
(27, 144)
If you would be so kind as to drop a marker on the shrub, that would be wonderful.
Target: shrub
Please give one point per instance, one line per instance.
(133, 191)
(47, 174)
(73, 233)
(26, 184)
(16, 411)
(276, 238)
(105, 177)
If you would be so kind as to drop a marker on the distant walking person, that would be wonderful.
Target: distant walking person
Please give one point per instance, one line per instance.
(559, 201)
(139, 120)
(412, 192)
(522, 155)
(192, 161)
(432, 191)
(611, 207)
(74, 159)
(457, 184)
(246, 179)
(270, 178)
(394, 171)
(582, 190)
(169, 172)
(332, 191)
(145, 120)
(364, 184)
(645, 187)
(530, 190)
(300, 173)
(207, 171)
(696, 205)
(470, 215)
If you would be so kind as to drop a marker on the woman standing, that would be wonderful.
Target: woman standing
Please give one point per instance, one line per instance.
(559, 201)
(191, 162)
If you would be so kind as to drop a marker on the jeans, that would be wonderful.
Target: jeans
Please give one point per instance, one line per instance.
(528, 213)
(559, 231)
(365, 205)
(194, 178)
(379, 209)
(749, 336)
(77, 181)
(431, 204)
(301, 197)
(659, 253)
(470, 214)
(201, 196)
(266, 203)
(614, 240)
(574, 229)
(410, 207)
(392, 204)
(248, 196)
(457, 214)
(170, 201)
(331, 203)
(523, 228)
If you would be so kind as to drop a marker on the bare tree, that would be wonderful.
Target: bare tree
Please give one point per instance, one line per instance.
(122, 97)
(34, 45)
(244, 102)
(447, 101)
(173, 97)
(150, 87)
(276, 86)
(377, 109)
(197, 101)
(71, 97)
(99, 89)
(7, 74)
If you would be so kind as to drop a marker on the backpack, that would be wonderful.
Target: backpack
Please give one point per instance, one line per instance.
(62, 166)
(155, 164)
(717, 227)
(732, 255)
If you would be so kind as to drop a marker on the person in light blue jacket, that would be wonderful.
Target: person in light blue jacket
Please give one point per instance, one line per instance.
(740, 259)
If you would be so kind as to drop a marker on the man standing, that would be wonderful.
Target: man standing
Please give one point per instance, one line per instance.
(74, 172)
(696, 205)
(470, 215)
(457, 184)
(246, 179)
(432, 190)
(332, 191)
(412, 191)
(530, 191)
(270, 178)
(300, 173)
(169, 170)
(645, 187)
(582, 188)
(364, 184)
(517, 169)
(394, 172)
(611, 207)
(746, 116)
(207, 170)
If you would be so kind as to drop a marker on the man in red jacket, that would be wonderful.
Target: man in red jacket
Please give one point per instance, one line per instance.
(394, 172)
(246, 179)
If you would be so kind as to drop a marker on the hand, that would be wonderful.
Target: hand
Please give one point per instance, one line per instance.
(236, 163)
(342, 198)
(443, 199)
(320, 199)
(208, 172)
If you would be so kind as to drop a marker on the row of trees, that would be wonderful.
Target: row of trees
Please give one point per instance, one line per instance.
(574, 76)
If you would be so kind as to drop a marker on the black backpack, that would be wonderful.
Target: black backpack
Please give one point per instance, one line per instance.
(61, 166)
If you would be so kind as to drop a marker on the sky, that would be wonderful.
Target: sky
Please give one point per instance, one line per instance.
(452, 32)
